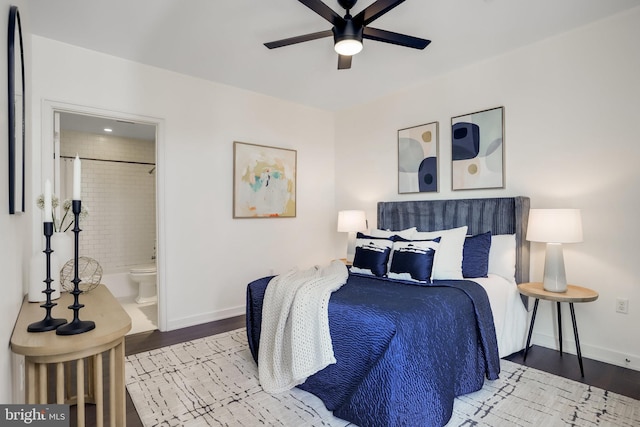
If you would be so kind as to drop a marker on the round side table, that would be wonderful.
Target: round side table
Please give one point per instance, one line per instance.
(572, 295)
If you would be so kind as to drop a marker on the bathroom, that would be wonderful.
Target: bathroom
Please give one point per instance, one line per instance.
(118, 161)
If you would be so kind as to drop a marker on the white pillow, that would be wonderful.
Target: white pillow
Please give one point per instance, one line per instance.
(405, 234)
(502, 256)
(448, 261)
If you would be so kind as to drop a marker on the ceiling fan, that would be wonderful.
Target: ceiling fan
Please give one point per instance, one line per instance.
(349, 31)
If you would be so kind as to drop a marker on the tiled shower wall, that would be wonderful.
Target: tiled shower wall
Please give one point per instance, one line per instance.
(119, 191)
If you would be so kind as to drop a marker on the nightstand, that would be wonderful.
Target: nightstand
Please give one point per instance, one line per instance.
(572, 295)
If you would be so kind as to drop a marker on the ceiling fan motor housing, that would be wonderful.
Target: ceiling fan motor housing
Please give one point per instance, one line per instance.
(348, 31)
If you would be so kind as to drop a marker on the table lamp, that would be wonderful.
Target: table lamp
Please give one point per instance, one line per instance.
(351, 221)
(554, 227)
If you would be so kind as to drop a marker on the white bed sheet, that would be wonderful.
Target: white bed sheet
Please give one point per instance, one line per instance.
(509, 313)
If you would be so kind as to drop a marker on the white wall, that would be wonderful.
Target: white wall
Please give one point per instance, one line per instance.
(207, 258)
(572, 105)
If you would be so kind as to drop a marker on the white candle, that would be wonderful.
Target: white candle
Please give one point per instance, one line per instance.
(48, 217)
(76, 178)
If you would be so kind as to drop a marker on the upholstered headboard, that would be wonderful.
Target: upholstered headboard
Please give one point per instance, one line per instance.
(507, 215)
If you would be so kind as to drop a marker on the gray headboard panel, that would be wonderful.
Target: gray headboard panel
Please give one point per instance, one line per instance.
(506, 215)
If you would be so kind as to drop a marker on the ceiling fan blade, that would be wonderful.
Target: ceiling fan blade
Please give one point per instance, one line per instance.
(299, 39)
(376, 10)
(394, 38)
(323, 10)
(344, 62)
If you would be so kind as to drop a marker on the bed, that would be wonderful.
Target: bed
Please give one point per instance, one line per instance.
(405, 350)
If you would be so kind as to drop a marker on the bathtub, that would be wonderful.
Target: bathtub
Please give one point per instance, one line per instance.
(120, 284)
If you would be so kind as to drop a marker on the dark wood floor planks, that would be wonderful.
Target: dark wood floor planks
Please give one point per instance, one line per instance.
(598, 374)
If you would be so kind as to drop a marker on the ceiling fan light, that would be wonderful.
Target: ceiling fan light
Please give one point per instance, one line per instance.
(348, 47)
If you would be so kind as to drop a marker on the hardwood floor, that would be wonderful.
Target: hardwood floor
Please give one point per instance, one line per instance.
(613, 378)
(598, 374)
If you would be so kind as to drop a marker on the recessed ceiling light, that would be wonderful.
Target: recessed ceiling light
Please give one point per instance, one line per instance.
(108, 130)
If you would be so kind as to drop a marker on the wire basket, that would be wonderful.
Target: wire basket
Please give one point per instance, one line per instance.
(89, 273)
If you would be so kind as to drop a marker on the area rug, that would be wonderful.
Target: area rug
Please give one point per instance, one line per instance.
(213, 381)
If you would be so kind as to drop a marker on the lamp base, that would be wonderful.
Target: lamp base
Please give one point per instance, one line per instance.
(351, 246)
(555, 279)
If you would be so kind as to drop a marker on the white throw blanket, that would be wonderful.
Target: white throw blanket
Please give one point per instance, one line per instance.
(295, 342)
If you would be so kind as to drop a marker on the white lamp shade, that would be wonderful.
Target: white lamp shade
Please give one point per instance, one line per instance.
(555, 226)
(352, 220)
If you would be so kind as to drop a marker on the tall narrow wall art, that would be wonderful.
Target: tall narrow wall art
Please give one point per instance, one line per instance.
(16, 113)
(418, 159)
(477, 150)
(264, 181)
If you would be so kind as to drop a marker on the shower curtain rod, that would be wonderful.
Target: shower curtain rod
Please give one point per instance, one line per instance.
(107, 160)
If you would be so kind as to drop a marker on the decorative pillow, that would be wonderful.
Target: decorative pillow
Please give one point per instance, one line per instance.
(405, 234)
(413, 260)
(372, 255)
(502, 256)
(448, 259)
(475, 255)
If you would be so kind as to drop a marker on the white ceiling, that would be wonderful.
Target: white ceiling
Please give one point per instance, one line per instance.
(97, 125)
(222, 41)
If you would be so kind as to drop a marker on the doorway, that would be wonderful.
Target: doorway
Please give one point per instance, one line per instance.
(119, 190)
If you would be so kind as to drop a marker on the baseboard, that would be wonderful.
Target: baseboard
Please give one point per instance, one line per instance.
(205, 318)
(600, 354)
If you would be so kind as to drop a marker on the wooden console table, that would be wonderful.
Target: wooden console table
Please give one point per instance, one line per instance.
(44, 349)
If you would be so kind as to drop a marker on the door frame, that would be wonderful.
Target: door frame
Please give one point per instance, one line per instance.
(50, 107)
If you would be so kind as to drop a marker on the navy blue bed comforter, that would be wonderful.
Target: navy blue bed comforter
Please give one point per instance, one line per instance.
(403, 351)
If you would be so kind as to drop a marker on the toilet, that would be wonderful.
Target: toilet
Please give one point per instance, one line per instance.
(145, 277)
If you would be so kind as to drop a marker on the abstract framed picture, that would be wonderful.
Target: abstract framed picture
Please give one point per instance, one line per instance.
(418, 159)
(477, 150)
(264, 181)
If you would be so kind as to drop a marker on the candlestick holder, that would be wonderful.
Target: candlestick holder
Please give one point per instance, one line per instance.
(48, 323)
(76, 326)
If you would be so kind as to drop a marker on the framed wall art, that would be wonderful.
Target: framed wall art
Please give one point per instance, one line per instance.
(477, 150)
(264, 181)
(418, 159)
(16, 113)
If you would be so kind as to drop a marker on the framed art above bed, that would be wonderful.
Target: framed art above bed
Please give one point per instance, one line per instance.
(477, 150)
(418, 159)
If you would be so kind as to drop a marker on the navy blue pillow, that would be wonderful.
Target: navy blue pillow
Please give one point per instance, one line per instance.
(413, 260)
(372, 254)
(475, 255)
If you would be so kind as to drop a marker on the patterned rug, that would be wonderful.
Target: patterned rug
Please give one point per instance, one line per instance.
(213, 381)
